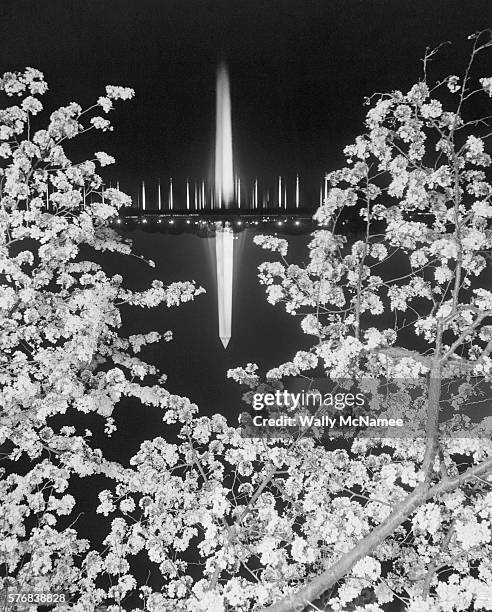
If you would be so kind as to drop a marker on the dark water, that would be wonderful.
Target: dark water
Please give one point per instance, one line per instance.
(195, 362)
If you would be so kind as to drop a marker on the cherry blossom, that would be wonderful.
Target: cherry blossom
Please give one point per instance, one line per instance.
(226, 521)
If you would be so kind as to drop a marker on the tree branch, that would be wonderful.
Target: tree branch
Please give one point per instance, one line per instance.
(313, 590)
(433, 566)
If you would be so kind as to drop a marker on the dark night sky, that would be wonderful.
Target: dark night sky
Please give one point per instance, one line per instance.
(299, 70)
(299, 73)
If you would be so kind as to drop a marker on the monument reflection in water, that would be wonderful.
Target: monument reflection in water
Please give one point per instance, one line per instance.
(224, 194)
(219, 209)
(224, 258)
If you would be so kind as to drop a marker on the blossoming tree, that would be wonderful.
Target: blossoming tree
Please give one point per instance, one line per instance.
(410, 517)
(234, 522)
(230, 522)
(61, 352)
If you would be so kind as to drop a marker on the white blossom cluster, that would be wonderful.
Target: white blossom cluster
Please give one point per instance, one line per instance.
(61, 349)
(225, 521)
(409, 301)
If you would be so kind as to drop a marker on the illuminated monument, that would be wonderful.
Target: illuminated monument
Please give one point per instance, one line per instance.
(222, 206)
(224, 173)
(224, 195)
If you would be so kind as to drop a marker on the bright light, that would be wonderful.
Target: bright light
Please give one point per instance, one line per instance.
(171, 221)
(297, 222)
(144, 220)
(224, 257)
(224, 177)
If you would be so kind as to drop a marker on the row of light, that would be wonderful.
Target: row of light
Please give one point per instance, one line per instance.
(120, 221)
(200, 195)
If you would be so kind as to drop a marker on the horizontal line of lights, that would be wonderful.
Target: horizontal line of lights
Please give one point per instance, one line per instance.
(239, 222)
(201, 195)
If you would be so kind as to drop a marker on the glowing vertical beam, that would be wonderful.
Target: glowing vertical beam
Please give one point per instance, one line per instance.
(187, 195)
(280, 192)
(196, 198)
(159, 196)
(224, 176)
(144, 203)
(256, 193)
(321, 195)
(239, 192)
(224, 257)
(203, 194)
(170, 197)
